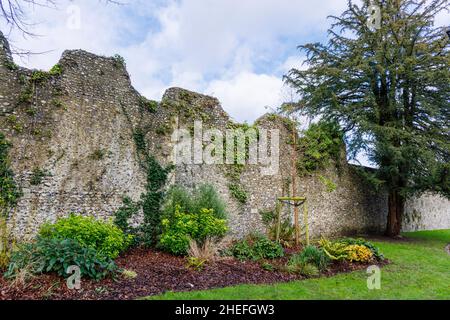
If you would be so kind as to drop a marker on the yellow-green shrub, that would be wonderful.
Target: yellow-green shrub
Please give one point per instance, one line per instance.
(105, 237)
(359, 253)
(183, 227)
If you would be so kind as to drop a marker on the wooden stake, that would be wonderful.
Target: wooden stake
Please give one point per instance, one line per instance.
(305, 221)
(294, 187)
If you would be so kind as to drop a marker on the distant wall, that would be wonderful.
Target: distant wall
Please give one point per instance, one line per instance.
(427, 212)
(78, 127)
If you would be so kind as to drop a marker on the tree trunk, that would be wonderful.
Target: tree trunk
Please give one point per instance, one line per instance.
(396, 206)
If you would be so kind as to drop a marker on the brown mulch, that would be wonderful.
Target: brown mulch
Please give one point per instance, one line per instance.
(157, 273)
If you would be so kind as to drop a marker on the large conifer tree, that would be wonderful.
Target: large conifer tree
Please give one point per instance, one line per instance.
(388, 86)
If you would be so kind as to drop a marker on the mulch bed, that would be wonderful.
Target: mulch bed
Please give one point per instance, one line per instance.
(157, 273)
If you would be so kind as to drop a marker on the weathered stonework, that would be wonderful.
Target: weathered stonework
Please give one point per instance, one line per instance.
(428, 212)
(78, 127)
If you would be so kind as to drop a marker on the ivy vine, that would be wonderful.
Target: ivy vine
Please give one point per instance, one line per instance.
(9, 190)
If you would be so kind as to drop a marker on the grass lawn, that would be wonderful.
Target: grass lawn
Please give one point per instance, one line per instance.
(419, 269)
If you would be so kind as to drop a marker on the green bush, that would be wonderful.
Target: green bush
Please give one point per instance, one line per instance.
(311, 255)
(256, 247)
(344, 249)
(287, 230)
(6, 243)
(56, 255)
(186, 226)
(321, 143)
(362, 242)
(9, 190)
(105, 237)
(205, 196)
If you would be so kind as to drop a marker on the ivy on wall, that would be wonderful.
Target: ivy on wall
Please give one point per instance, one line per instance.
(151, 200)
(9, 190)
(321, 144)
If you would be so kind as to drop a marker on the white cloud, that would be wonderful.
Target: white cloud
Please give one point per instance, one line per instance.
(236, 49)
(246, 95)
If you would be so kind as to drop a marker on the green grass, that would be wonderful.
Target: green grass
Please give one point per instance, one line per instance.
(419, 269)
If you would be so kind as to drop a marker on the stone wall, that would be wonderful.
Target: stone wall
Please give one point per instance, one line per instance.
(427, 212)
(78, 128)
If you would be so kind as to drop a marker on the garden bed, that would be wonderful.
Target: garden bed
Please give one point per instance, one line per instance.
(159, 272)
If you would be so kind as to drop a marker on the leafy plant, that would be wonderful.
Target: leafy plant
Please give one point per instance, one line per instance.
(124, 213)
(205, 196)
(256, 247)
(11, 66)
(56, 255)
(6, 244)
(26, 95)
(299, 264)
(358, 250)
(118, 61)
(56, 70)
(315, 256)
(309, 270)
(129, 274)
(335, 250)
(105, 237)
(238, 192)
(195, 263)
(375, 251)
(321, 143)
(9, 190)
(206, 251)
(359, 253)
(37, 176)
(287, 230)
(39, 76)
(328, 183)
(149, 105)
(186, 226)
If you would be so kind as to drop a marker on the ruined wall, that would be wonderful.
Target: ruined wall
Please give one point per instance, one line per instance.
(78, 128)
(427, 212)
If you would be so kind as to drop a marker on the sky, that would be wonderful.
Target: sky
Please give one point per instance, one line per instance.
(235, 50)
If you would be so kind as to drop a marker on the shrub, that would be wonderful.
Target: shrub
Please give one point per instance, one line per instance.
(6, 244)
(102, 236)
(309, 270)
(335, 250)
(118, 61)
(56, 70)
(375, 251)
(206, 251)
(129, 274)
(256, 247)
(358, 250)
(9, 190)
(195, 263)
(299, 264)
(11, 66)
(149, 105)
(56, 255)
(316, 256)
(186, 226)
(125, 212)
(205, 196)
(359, 253)
(287, 230)
(321, 143)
